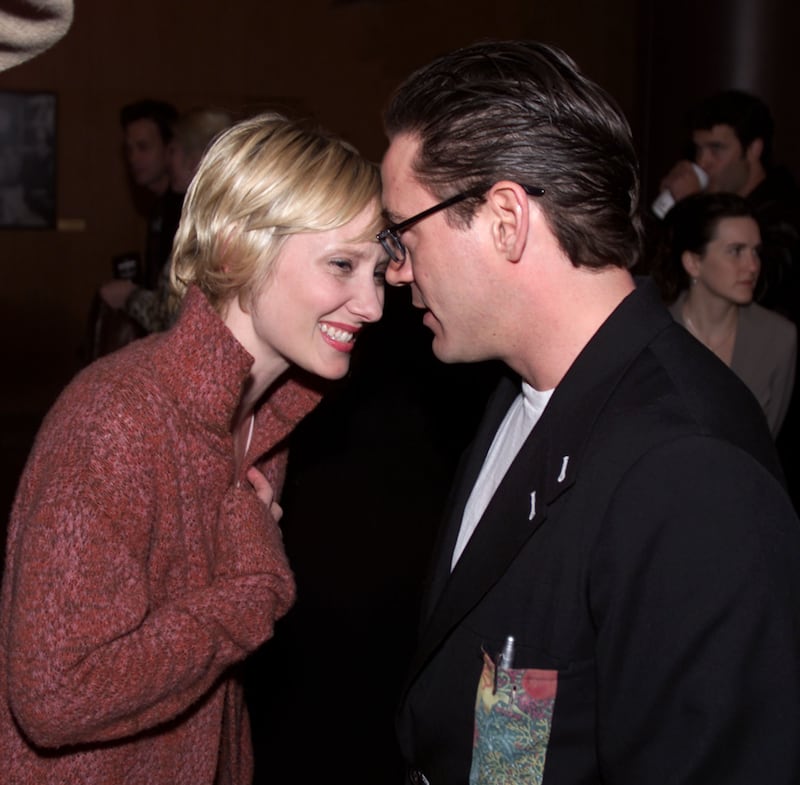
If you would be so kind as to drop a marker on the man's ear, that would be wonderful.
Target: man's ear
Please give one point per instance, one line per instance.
(754, 150)
(510, 214)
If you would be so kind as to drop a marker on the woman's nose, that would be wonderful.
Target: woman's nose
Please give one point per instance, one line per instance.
(367, 303)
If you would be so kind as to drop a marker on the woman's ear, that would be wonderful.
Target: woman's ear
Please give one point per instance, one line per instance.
(691, 263)
(510, 215)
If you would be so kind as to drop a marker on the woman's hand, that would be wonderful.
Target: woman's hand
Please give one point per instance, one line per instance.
(264, 492)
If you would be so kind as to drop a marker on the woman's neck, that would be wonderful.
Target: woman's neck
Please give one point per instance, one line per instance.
(242, 432)
(713, 322)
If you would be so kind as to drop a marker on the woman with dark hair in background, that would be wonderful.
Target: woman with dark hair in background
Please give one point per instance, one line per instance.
(708, 270)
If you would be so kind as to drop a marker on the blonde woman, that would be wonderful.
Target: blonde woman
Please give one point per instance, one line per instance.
(144, 554)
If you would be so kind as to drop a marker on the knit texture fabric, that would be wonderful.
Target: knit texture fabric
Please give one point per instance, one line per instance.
(139, 569)
(28, 27)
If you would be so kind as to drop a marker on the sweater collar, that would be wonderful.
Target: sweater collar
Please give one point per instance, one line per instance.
(205, 368)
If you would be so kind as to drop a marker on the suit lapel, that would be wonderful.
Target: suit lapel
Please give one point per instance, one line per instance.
(545, 467)
(537, 476)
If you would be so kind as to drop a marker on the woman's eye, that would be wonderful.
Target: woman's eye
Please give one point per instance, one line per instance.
(380, 272)
(345, 265)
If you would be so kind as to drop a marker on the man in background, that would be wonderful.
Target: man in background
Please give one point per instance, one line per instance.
(732, 139)
(147, 129)
(147, 133)
(192, 133)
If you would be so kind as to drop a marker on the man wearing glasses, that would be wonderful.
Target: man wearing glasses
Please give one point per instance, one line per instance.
(615, 590)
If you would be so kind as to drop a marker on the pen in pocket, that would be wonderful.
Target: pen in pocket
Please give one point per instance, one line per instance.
(505, 659)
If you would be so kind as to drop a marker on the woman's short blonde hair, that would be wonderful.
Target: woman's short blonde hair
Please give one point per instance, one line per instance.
(262, 180)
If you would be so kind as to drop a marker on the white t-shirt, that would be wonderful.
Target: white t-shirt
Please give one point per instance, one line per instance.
(522, 415)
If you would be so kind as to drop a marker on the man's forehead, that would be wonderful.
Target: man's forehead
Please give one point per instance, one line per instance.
(143, 128)
(400, 184)
(398, 160)
(717, 133)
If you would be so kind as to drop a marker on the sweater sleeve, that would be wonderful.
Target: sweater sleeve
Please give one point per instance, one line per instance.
(695, 594)
(94, 653)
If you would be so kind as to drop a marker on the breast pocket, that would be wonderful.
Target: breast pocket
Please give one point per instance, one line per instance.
(513, 719)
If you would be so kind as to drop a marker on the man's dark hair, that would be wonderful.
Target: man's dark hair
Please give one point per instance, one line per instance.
(161, 113)
(522, 111)
(748, 115)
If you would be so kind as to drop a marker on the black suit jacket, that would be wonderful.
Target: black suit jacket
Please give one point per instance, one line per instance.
(643, 553)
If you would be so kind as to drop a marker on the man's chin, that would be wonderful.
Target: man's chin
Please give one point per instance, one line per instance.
(440, 350)
(447, 353)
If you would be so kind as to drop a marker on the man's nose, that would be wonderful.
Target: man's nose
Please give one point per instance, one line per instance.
(399, 274)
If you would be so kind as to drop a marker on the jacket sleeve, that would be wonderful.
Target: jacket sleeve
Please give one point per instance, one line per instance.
(93, 655)
(695, 593)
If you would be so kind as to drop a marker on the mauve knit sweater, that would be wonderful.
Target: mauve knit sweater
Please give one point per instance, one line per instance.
(139, 570)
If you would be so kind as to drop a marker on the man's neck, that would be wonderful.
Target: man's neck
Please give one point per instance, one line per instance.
(567, 322)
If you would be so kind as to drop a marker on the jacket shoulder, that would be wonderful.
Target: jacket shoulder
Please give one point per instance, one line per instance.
(676, 388)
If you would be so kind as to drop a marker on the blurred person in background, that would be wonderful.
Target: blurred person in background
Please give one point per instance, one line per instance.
(192, 133)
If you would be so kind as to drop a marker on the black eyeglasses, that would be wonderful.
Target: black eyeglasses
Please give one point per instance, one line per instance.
(389, 238)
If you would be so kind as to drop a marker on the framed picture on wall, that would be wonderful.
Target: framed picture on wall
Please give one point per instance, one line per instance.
(27, 160)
